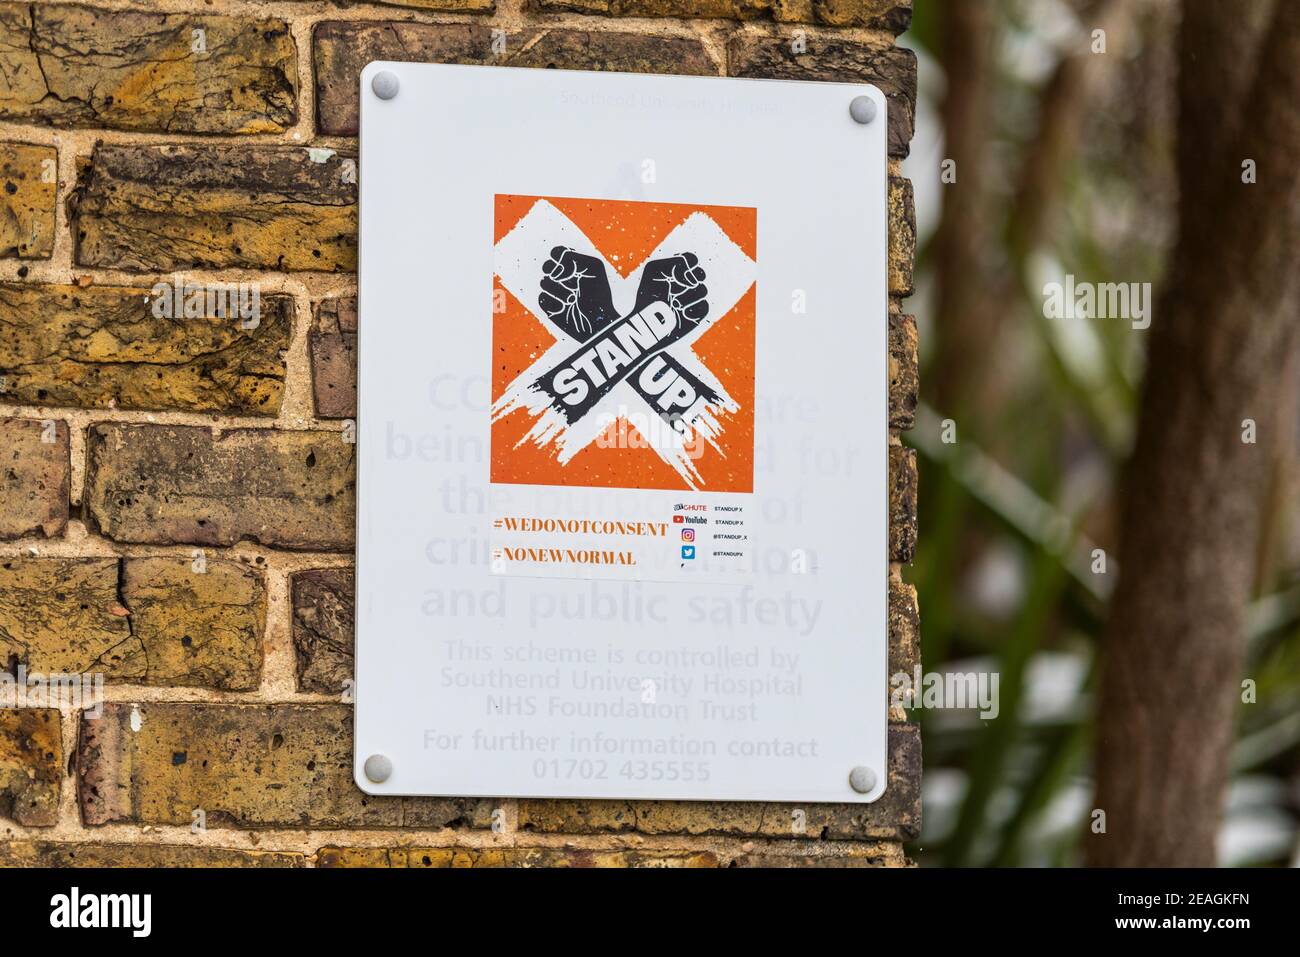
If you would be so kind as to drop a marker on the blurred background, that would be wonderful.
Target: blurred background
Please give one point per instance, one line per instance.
(1066, 162)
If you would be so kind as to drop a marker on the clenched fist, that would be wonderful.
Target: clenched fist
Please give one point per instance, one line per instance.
(679, 281)
(575, 293)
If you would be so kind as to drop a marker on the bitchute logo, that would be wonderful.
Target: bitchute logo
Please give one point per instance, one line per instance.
(75, 909)
(623, 351)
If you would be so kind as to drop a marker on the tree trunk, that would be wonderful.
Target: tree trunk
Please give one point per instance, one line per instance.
(974, 288)
(1193, 493)
(965, 309)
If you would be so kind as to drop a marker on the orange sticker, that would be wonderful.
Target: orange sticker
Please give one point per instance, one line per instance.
(623, 344)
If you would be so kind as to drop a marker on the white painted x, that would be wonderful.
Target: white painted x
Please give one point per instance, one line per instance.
(519, 256)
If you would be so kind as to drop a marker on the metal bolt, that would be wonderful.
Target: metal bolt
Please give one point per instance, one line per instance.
(861, 779)
(378, 768)
(385, 85)
(861, 108)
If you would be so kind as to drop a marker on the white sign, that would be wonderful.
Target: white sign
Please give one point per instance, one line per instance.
(622, 503)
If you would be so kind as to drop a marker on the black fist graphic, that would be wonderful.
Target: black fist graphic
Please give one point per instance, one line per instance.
(678, 281)
(575, 293)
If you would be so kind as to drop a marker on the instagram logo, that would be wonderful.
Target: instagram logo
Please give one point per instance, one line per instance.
(688, 534)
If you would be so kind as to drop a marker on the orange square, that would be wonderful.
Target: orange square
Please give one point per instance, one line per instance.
(623, 344)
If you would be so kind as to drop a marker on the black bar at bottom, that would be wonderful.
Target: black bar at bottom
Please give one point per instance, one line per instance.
(880, 908)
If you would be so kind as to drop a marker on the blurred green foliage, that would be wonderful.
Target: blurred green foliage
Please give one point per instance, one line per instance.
(1013, 512)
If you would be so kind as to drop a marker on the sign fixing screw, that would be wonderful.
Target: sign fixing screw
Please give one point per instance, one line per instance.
(861, 108)
(862, 779)
(385, 85)
(378, 768)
